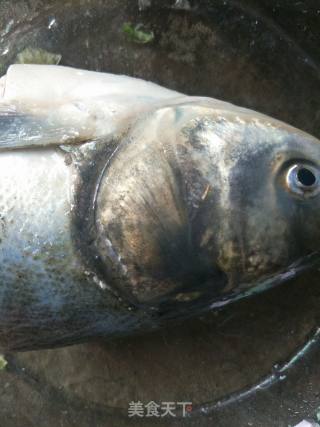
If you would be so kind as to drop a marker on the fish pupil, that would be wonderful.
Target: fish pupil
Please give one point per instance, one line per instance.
(306, 177)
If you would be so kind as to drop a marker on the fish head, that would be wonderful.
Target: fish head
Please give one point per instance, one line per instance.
(204, 201)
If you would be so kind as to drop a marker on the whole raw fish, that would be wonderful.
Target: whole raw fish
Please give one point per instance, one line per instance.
(124, 205)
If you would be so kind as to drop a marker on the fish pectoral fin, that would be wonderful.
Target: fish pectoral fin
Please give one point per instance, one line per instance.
(22, 129)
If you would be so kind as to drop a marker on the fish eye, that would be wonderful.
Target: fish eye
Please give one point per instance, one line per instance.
(303, 179)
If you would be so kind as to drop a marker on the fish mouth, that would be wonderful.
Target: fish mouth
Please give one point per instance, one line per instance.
(298, 267)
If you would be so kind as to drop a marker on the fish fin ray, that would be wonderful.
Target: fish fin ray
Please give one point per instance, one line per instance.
(20, 129)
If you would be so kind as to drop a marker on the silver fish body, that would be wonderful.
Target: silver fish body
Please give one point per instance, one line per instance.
(124, 205)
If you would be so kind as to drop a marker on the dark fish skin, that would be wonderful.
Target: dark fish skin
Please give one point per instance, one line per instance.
(192, 206)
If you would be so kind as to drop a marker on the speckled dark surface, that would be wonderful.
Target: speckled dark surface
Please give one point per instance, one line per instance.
(259, 54)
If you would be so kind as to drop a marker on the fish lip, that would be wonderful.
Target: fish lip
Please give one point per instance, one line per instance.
(307, 262)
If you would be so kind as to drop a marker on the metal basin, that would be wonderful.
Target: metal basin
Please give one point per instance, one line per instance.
(252, 363)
